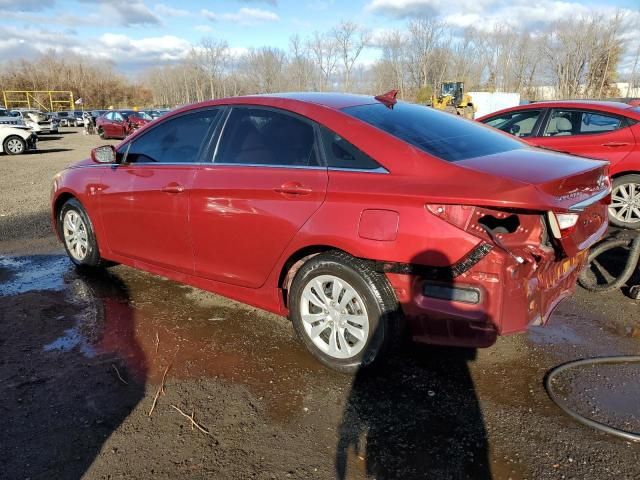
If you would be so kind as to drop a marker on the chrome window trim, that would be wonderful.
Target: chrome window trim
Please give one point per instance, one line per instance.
(362, 170)
(297, 167)
(580, 206)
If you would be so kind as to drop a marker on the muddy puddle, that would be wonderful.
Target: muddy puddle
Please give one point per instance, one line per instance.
(72, 340)
(152, 324)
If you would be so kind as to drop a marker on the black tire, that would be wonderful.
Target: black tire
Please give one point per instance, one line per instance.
(91, 257)
(19, 143)
(101, 133)
(607, 267)
(617, 182)
(383, 312)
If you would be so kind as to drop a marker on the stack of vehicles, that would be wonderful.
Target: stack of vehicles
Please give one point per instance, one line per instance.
(36, 120)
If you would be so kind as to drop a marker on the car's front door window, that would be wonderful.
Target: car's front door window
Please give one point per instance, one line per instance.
(177, 140)
(520, 123)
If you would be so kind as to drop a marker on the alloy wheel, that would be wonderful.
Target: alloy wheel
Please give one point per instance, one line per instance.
(75, 235)
(15, 146)
(625, 203)
(334, 316)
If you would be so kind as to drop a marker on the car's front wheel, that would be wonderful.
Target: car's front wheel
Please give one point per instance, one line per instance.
(345, 313)
(14, 145)
(624, 210)
(101, 133)
(78, 235)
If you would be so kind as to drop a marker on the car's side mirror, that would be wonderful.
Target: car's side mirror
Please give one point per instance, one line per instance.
(514, 129)
(104, 154)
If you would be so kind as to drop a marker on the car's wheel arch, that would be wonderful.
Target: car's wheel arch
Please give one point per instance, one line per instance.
(625, 173)
(59, 201)
(293, 263)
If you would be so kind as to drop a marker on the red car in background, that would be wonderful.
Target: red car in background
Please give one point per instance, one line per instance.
(602, 130)
(349, 214)
(120, 123)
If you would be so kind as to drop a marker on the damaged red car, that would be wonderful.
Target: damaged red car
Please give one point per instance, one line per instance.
(357, 217)
(120, 123)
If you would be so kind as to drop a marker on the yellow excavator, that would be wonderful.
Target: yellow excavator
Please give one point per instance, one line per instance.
(452, 99)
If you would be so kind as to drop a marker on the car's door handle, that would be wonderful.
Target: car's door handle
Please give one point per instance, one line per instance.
(615, 144)
(293, 188)
(173, 187)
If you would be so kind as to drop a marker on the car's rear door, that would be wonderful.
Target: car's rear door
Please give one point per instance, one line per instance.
(266, 180)
(588, 133)
(145, 202)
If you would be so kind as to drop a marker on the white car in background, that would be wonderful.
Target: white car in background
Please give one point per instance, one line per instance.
(36, 120)
(7, 118)
(16, 139)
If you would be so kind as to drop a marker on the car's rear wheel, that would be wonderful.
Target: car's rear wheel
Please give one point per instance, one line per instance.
(345, 313)
(624, 210)
(14, 145)
(78, 236)
(101, 133)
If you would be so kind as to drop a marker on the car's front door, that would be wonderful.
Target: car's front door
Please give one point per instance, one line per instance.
(587, 133)
(145, 205)
(266, 180)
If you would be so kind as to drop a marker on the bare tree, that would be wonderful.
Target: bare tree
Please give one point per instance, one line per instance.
(211, 56)
(350, 40)
(300, 65)
(324, 51)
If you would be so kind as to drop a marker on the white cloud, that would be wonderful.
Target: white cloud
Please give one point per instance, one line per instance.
(167, 11)
(244, 16)
(203, 28)
(25, 5)
(123, 49)
(126, 13)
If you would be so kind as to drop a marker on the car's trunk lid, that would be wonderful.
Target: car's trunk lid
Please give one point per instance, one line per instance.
(569, 185)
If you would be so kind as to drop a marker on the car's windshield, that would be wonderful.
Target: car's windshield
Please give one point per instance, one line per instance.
(440, 134)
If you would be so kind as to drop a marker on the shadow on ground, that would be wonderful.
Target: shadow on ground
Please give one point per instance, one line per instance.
(62, 396)
(415, 417)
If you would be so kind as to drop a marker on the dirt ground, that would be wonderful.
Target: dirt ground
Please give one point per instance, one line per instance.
(83, 358)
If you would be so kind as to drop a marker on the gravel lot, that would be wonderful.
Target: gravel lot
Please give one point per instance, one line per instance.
(83, 361)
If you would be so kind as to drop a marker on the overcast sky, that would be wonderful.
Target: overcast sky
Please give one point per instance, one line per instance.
(137, 33)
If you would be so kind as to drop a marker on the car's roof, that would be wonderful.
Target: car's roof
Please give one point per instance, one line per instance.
(327, 99)
(605, 106)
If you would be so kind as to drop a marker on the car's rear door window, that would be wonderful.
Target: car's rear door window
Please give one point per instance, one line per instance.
(519, 123)
(176, 140)
(341, 154)
(440, 134)
(261, 136)
(581, 122)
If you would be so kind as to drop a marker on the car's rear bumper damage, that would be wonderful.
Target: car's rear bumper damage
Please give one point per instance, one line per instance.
(506, 283)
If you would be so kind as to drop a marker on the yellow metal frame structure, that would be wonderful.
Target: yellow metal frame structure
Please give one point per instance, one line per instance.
(46, 100)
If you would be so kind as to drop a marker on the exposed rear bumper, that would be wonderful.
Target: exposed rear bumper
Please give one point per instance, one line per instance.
(495, 296)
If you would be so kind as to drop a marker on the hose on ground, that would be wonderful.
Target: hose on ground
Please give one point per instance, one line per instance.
(553, 373)
(627, 272)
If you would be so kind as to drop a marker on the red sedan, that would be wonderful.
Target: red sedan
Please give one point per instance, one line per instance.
(354, 216)
(602, 130)
(120, 123)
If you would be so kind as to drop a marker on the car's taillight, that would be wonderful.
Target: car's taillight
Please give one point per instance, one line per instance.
(562, 223)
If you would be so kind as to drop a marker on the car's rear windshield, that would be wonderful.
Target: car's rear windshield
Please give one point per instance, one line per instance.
(437, 133)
